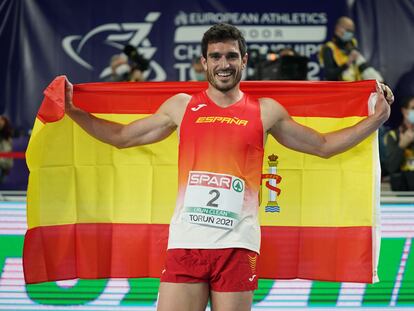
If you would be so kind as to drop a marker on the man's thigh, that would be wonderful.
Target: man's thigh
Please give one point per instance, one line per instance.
(183, 296)
(231, 301)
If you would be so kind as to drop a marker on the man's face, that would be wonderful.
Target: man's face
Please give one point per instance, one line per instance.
(224, 64)
(406, 111)
(346, 25)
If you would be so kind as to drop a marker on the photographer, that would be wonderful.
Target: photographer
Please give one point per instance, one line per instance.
(119, 68)
(138, 64)
(128, 66)
(341, 59)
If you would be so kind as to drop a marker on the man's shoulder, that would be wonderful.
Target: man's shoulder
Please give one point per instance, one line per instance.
(175, 106)
(329, 46)
(177, 100)
(268, 103)
(391, 134)
(271, 112)
(180, 98)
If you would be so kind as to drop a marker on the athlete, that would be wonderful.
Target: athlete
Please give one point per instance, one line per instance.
(214, 238)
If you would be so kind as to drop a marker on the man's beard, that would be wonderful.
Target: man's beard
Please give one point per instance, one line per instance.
(211, 78)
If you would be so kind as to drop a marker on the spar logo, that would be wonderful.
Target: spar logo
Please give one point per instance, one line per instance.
(115, 36)
(210, 180)
(216, 181)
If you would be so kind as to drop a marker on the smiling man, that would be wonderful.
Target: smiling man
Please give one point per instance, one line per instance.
(214, 238)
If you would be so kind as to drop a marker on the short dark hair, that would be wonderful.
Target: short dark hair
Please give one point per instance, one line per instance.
(406, 100)
(221, 33)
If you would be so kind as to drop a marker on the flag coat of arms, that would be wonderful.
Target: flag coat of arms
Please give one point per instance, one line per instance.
(95, 211)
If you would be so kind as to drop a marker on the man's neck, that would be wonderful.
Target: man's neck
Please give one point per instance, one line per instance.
(224, 99)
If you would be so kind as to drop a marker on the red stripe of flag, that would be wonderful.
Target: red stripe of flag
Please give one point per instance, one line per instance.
(93, 251)
(146, 97)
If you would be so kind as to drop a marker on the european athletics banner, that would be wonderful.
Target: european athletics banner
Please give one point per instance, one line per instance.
(95, 211)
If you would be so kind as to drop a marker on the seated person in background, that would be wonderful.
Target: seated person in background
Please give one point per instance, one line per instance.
(138, 64)
(403, 89)
(399, 150)
(341, 59)
(197, 72)
(5, 146)
(128, 66)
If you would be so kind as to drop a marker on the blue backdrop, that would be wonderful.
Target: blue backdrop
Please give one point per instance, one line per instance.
(42, 38)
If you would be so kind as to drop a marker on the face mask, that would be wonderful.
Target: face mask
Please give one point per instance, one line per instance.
(347, 36)
(411, 116)
(122, 69)
(200, 76)
(197, 76)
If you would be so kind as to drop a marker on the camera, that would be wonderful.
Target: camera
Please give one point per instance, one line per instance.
(137, 60)
(284, 64)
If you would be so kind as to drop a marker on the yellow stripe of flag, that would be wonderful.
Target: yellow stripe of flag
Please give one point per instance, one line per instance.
(77, 179)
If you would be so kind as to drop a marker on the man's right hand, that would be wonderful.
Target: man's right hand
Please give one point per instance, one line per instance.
(68, 96)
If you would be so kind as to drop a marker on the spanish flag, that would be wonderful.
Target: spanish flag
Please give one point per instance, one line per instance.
(95, 211)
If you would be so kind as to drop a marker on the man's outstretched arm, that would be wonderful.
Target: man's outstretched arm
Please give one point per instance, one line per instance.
(140, 132)
(289, 133)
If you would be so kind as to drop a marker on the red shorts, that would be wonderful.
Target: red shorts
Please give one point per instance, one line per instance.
(225, 270)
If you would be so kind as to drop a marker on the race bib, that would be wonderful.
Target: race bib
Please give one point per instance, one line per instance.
(213, 199)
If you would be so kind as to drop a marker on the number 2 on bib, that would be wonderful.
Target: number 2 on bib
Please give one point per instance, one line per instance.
(213, 199)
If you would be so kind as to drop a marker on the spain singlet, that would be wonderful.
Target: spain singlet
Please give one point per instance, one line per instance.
(220, 164)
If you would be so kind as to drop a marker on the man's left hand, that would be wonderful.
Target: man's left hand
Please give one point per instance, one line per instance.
(386, 91)
(384, 100)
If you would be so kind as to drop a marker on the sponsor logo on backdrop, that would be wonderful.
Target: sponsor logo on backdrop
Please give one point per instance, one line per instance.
(305, 32)
(113, 37)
